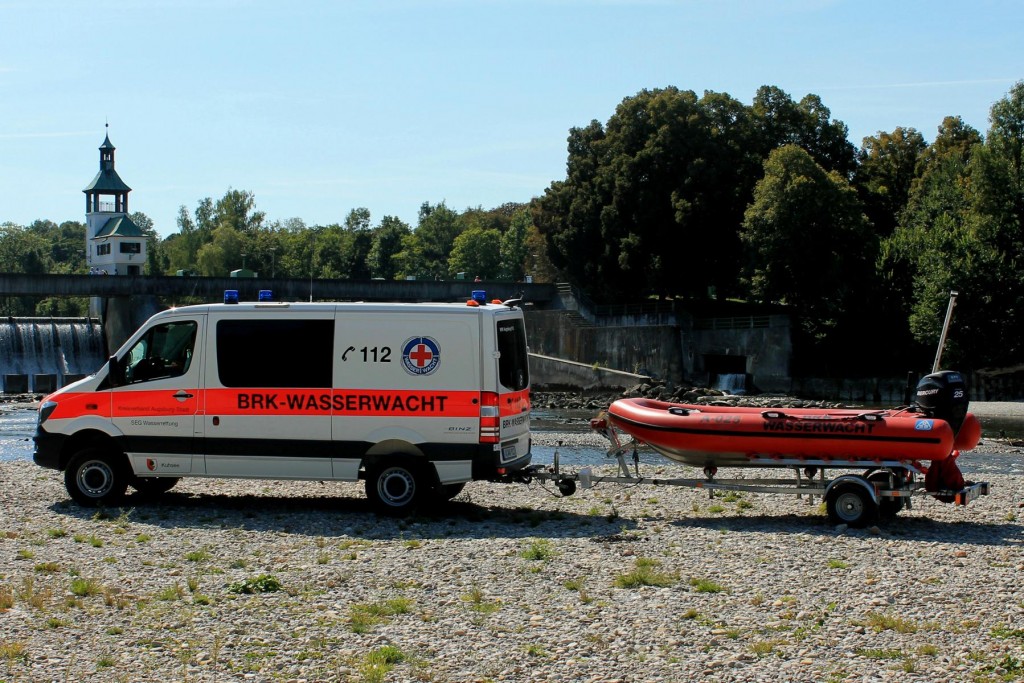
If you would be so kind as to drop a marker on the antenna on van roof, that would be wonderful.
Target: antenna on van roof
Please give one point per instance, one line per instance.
(512, 303)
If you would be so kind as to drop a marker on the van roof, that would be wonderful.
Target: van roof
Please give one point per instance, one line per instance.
(332, 306)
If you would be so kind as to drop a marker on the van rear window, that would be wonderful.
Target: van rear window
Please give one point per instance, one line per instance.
(275, 353)
(513, 363)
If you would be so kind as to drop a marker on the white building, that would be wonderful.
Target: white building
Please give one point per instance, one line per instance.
(114, 244)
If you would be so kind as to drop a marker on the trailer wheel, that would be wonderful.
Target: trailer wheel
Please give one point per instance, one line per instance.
(394, 488)
(95, 477)
(887, 507)
(851, 504)
(566, 487)
(152, 486)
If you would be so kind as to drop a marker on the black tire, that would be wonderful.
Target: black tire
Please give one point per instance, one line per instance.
(152, 486)
(96, 477)
(887, 507)
(395, 488)
(850, 503)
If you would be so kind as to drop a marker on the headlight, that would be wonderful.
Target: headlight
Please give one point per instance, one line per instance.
(45, 411)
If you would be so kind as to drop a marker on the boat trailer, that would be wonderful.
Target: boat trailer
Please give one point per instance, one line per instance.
(882, 489)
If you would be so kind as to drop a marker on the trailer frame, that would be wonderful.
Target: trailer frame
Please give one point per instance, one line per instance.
(856, 500)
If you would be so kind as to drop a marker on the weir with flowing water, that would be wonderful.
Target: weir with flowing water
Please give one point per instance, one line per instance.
(39, 355)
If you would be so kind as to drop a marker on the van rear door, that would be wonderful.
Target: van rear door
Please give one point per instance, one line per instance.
(513, 386)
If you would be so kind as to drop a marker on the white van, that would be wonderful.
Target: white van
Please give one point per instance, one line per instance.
(416, 399)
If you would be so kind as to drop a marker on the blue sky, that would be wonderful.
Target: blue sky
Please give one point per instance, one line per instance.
(319, 107)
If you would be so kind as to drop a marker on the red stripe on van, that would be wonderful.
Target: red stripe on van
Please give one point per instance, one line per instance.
(356, 402)
(73, 404)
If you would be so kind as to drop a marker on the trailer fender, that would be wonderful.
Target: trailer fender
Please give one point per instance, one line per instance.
(853, 479)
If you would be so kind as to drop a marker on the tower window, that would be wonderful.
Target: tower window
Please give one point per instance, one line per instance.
(102, 249)
(131, 248)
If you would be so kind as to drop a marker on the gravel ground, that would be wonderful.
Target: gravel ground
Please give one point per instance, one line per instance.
(297, 581)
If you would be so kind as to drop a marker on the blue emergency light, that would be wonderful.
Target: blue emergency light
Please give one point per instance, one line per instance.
(480, 296)
(266, 295)
(231, 296)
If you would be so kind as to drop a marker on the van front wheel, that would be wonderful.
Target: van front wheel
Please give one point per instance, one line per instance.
(96, 477)
(395, 488)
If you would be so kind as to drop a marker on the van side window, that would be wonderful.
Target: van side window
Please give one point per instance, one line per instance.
(275, 353)
(513, 363)
(164, 351)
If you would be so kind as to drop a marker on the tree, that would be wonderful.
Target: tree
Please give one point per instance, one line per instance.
(809, 243)
(387, 242)
(358, 219)
(781, 121)
(885, 172)
(436, 232)
(476, 252)
(962, 231)
(514, 248)
(237, 209)
(222, 254)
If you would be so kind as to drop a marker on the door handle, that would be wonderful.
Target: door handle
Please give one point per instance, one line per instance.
(182, 395)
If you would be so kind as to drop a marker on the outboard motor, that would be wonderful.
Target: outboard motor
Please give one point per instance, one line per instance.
(943, 395)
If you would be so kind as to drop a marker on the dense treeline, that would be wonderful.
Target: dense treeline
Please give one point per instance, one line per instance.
(703, 199)
(679, 195)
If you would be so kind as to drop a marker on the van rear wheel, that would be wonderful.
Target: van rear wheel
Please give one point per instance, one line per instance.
(394, 488)
(95, 477)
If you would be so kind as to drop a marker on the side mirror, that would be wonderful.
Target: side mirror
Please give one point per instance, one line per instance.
(115, 372)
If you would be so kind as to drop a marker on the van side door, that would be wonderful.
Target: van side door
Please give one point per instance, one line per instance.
(268, 394)
(159, 396)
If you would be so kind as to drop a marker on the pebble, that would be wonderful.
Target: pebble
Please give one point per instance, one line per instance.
(753, 593)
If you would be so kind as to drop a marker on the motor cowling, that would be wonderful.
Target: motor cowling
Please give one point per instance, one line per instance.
(943, 395)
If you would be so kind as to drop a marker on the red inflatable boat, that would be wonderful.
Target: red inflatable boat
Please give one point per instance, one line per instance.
(725, 436)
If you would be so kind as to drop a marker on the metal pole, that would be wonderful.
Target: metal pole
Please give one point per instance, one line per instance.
(945, 328)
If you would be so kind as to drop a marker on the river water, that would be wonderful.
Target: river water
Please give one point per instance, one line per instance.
(18, 424)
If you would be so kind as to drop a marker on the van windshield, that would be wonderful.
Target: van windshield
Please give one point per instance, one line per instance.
(513, 360)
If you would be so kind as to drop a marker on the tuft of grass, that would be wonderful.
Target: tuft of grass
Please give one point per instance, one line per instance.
(264, 583)
(538, 550)
(645, 573)
(535, 650)
(6, 598)
(838, 564)
(56, 533)
(706, 586)
(47, 567)
(14, 652)
(364, 616)
(378, 663)
(478, 602)
(881, 652)
(171, 593)
(201, 555)
(85, 588)
(888, 622)
(25, 554)
(763, 648)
